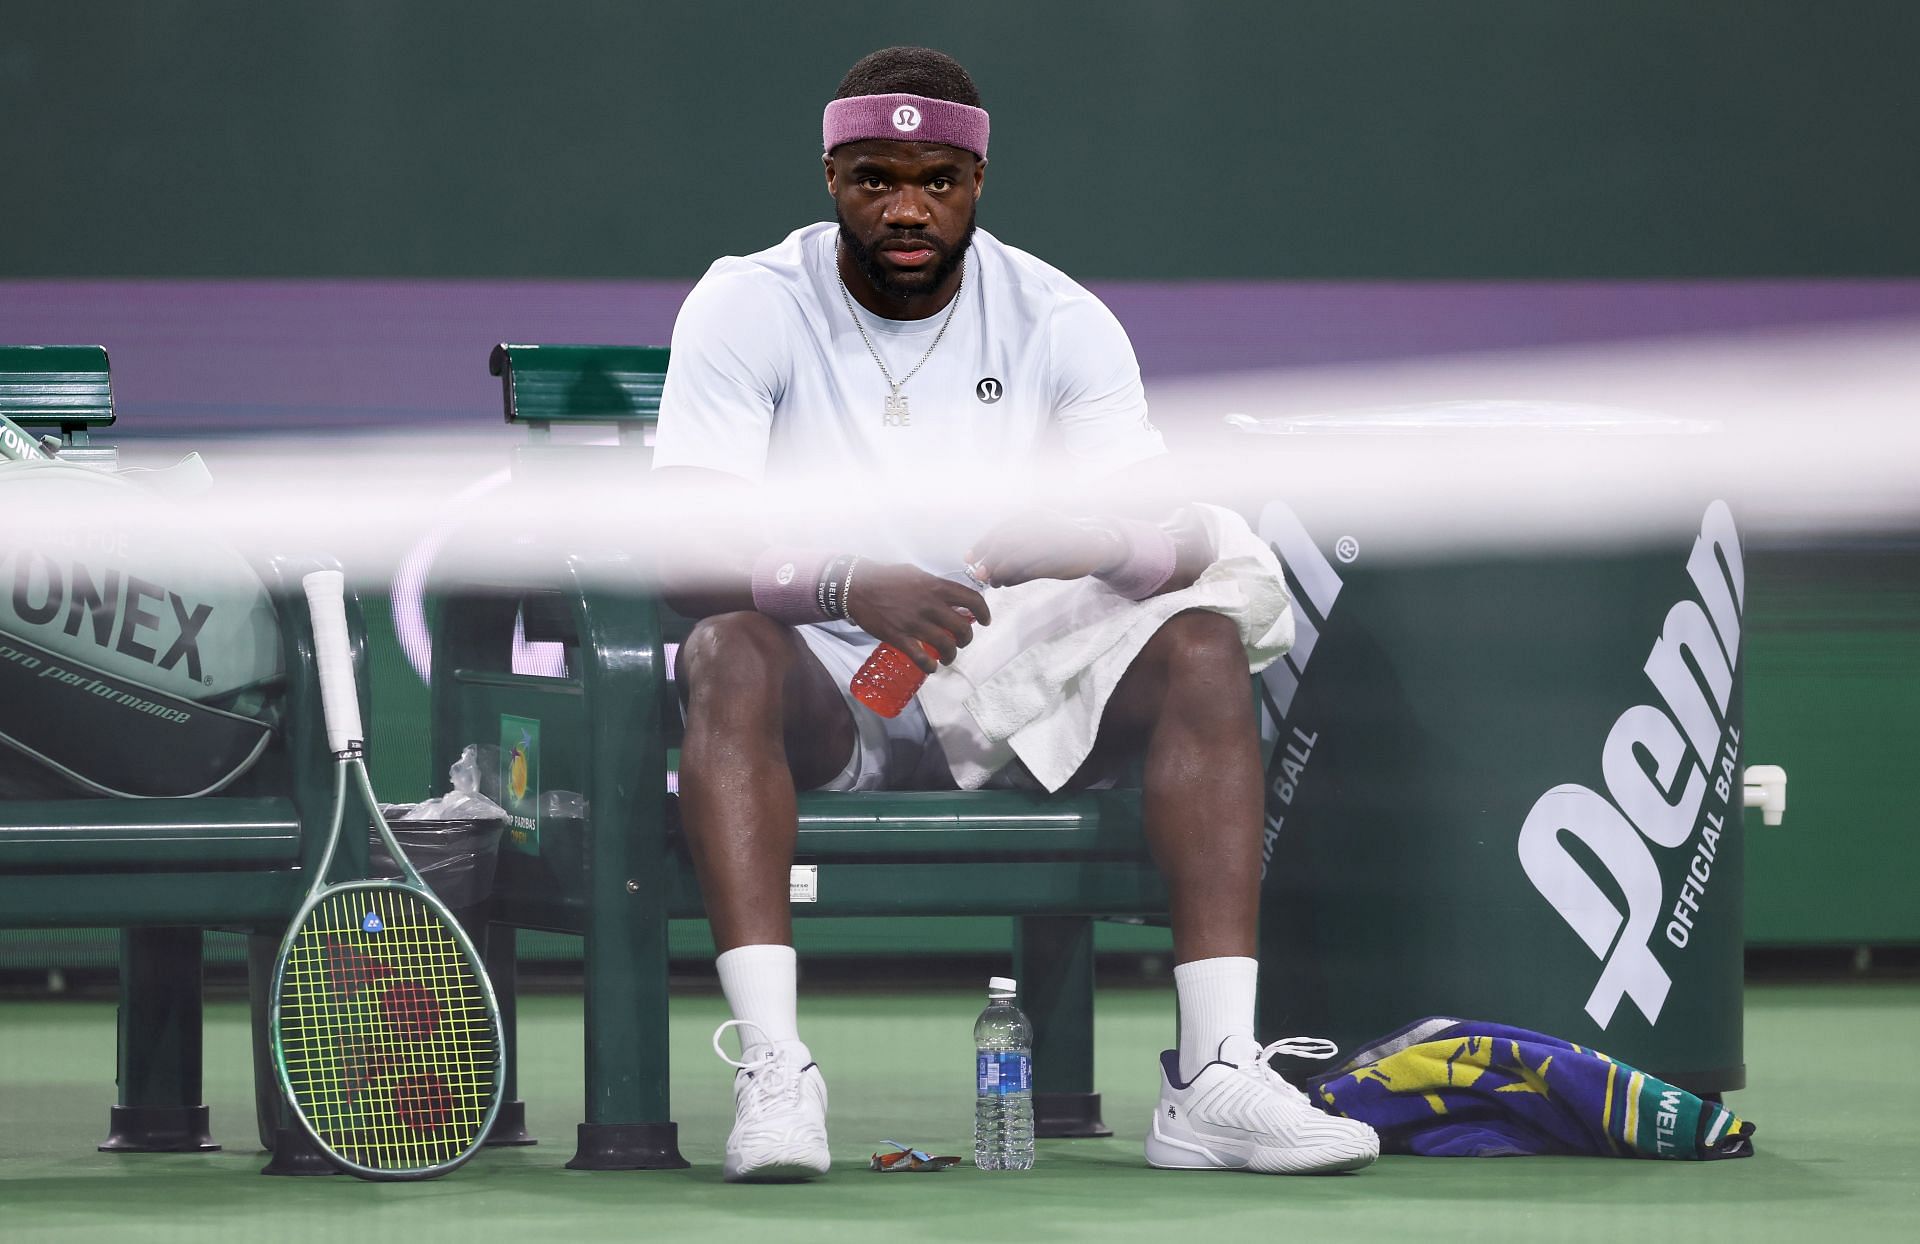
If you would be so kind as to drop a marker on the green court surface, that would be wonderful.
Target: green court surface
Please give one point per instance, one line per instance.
(1831, 1069)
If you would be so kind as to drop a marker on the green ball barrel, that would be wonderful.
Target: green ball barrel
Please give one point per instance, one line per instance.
(1507, 787)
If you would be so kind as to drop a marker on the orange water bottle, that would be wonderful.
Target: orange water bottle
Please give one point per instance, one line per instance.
(889, 679)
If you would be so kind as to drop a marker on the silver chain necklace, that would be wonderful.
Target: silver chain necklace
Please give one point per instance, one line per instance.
(896, 414)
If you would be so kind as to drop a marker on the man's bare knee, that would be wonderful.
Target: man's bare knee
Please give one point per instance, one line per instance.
(1199, 644)
(1205, 670)
(1194, 665)
(736, 654)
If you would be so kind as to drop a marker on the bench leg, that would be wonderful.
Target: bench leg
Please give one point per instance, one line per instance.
(159, 1108)
(294, 1152)
(268, 1113)
(628, 1125)
(1053, 958)
(500, 952)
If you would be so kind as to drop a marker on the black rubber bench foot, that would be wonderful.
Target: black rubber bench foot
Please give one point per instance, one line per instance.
(158, 1129)
(1061, 1115)
(294, 1153)
(628, 1147)
(510, 1126)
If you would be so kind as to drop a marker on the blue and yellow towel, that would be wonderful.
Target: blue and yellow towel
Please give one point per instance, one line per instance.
(1462, 1088)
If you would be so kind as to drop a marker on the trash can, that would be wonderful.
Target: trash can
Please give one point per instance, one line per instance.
(456, 858)
(1505, 783)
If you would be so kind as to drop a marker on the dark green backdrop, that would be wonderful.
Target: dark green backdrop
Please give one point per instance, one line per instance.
(1341, 138)
(1238, 138)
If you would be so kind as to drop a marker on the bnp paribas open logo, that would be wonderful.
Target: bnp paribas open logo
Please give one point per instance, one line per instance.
(1314, 586)
(1672, 781)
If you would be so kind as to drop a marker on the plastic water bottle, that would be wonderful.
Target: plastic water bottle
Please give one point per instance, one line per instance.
(888, 679)
(1003, 1102)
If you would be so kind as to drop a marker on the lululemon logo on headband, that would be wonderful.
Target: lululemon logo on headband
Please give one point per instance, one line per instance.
(906, 118)
(988, 390)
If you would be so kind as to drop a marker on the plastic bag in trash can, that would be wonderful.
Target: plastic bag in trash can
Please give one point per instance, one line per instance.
(455, 858)
(453, 842)
(464, 802)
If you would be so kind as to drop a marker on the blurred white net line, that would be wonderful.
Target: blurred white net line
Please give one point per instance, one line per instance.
(1803, 432)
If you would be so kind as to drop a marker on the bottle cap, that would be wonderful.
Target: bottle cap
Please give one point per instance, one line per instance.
(1002, 987)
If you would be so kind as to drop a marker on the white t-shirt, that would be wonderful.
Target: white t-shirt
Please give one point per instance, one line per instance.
(770, 379)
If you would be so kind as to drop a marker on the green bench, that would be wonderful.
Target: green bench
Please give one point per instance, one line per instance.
(62, 391)
(162, 871)
(606, 731)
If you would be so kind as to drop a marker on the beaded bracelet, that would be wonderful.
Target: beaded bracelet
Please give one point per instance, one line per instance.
(846, 591)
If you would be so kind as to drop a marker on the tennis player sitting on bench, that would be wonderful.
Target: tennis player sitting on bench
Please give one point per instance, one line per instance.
(897, 344)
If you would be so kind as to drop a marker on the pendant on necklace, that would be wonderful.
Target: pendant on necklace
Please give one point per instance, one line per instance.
(897, 414)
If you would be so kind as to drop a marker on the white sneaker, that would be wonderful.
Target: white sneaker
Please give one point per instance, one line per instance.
(779, 1114)
(1238, 1114)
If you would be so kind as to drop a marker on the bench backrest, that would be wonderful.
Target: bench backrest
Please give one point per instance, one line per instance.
(581, 386)
(617, 386)
(63, 389)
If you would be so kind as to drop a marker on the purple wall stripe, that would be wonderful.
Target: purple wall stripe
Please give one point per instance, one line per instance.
(222, 356)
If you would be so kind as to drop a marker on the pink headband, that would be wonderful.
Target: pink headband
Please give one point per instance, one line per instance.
(905, 118)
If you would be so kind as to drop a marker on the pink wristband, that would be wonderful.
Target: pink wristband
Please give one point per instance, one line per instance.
(785, 582)
(1149, 559)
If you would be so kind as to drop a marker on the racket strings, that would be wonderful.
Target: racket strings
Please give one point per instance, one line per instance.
(388, 1042)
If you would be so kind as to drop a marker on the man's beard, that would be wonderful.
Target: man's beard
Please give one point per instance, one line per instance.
(886, 281)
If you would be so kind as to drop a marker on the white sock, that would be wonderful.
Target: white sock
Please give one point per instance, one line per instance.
(761, 984)
(1216, 1002)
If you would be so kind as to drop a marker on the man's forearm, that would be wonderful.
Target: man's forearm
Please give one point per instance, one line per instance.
(792, 584)
(1153, 558)
(701, 577)
(1193, 550)
(706, 600)
(707, 568)
(1146, 490)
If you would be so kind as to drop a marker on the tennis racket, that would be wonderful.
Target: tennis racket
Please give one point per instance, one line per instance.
(386, 1035)
(17, 445)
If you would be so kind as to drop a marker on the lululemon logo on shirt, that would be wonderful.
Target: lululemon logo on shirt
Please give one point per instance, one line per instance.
(988, 390)
(784, 575)
(906, 118)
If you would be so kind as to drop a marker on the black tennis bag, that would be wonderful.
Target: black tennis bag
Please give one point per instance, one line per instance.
(139, 654)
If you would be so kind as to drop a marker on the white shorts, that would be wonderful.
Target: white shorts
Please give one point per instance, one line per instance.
(889, 753)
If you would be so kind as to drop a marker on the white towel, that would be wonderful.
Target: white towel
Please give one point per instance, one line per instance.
(1034, 683)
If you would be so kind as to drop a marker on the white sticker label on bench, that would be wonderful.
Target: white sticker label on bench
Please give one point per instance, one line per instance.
(803, 884)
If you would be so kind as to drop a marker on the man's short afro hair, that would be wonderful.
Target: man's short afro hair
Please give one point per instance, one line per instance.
(909, 71)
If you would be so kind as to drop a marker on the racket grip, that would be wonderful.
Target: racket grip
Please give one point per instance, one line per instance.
(326, 604)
